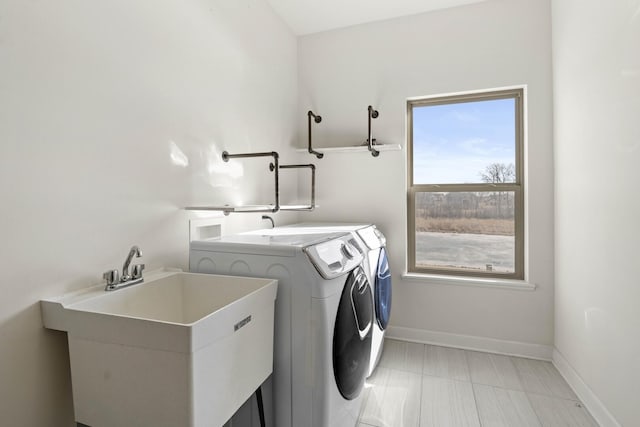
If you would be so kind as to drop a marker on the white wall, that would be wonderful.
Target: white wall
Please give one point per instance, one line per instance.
(97, 99)
(596, 65)
(491, 44)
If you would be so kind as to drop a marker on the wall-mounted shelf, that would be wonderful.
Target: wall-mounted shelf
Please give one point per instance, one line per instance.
(249, 208)
(355, 149)
(276, 206)
(369, 145)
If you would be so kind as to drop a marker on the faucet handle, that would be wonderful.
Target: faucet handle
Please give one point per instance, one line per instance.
(111, 276)
(137, 271)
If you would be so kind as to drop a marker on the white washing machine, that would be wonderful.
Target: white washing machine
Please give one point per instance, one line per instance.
(323, 319)
(373, 244)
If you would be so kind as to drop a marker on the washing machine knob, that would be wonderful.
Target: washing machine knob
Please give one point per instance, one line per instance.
(347, 251)
(355, 244)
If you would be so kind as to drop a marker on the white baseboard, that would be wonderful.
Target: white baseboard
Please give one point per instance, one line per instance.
(469, 342)
(588, 398)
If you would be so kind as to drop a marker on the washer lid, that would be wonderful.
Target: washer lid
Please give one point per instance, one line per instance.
(335, 257)
(272, 241)
(329, 226)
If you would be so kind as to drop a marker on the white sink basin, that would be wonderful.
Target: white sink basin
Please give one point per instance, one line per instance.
(180, 349)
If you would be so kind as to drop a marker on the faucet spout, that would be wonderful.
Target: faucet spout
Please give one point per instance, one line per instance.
(135, 251)
(273, 224)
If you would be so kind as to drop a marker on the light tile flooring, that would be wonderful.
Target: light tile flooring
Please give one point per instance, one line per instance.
(417, 385)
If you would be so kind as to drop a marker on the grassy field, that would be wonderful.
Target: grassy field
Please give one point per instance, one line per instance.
(499, 227)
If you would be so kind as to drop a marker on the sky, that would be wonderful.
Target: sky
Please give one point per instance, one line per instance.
(453, 143)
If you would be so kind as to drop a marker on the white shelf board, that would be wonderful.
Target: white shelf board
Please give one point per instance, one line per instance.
(354, 149)
(249, 208)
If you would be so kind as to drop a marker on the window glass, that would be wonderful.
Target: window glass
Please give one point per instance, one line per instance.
(455, 143)
(473, 231)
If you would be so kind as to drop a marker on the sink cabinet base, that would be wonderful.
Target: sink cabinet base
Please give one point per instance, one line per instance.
(116, 384)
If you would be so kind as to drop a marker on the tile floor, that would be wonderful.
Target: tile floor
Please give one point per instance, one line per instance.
(417, 385)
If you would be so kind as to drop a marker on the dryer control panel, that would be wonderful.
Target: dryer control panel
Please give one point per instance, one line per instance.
(372, 237)
(335, 257)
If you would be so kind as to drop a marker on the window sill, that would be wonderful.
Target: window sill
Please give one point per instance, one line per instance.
(475, 282)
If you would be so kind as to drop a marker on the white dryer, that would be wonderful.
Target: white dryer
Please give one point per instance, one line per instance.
(372, 244)
(323, 318)
(380, 276)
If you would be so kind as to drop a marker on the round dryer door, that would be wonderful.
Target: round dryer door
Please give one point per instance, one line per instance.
(383, 291)
(352, 335)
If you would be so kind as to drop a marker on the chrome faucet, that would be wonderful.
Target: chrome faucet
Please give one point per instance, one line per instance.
(127, 278)
(273, 224)
(125, 267)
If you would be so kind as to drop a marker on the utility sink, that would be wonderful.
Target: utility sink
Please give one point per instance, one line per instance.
(179, 349)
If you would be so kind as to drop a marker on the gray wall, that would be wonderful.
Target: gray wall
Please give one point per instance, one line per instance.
(486, 45)
(596, 64)
(113, 116)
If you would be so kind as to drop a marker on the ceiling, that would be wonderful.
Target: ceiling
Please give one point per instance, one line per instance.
(312, 16)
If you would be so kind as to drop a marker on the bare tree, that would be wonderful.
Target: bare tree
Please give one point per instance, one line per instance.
(498, 173)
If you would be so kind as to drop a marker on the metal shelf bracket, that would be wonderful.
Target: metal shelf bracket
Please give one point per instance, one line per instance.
(316, 119)
(372, 114)
(312, 204)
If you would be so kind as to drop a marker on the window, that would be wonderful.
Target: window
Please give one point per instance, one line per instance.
(465, 190)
